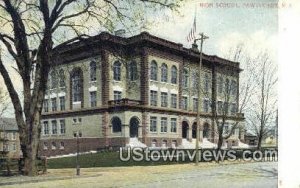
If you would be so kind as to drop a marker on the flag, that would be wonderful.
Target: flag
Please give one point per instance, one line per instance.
(191, 36)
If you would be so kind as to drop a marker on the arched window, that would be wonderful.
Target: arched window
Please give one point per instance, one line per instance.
(132, 71)
(220, 84)
(116, 124)
(185, 78)
(53, 80)
(205, 130)
(164, 73)
(174, 75)
(76, 82)
(153, 73)
(62, 78)
(117, 71)
(206, 82)
(93, 70)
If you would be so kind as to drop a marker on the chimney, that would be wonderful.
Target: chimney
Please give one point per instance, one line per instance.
(120, 32)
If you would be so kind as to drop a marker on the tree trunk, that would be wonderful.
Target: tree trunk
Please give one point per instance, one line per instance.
(220, 141)
(259, 142)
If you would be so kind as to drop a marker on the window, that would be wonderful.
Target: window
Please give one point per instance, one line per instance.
(173, 100)
(220, 85)
(220, 107)
(173, 125)
(164, 73)
(226, 128)
(53, 80)
(93, 71)
(174, 75)
(62, 145)
(153, 124)
(195, 104)
(45, 145)
(185, 78)
(46, 128)
(76, 82)
(233, 109)
(117, 95)
(14, 147)
(153, 73)
(93, 98)
(205, 105)
(184, 103)
(164, 99)
(195, 79)
(62, 126)
(163, 125)
(62, 78)
(116, 125)
(54, 127)
(233, 88)
(62, 103)
(153, 98)
(5, 147)
(227, 87)
(13, 136)
(53, 146)
(53, 104)
(46, 105)
(225, 110)
(132, 71)
(206, 83)
(117, 71)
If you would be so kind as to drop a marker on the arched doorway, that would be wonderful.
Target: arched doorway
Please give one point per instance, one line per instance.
(194, 130)
(206, 130)
(185, 129)
(134, 127)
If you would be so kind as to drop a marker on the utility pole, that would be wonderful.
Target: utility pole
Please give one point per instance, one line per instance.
(77, 156)
(202, 38)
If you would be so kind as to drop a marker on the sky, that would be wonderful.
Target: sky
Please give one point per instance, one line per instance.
(225, 24)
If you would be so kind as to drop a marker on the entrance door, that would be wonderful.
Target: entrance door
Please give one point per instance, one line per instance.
(134, 127)
(185, 129)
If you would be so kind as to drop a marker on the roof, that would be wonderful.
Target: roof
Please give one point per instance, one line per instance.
(143, 39)
(8, 124)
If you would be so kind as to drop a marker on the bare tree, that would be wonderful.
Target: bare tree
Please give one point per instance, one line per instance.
(4, 101)
(262, 114)
(33, 30)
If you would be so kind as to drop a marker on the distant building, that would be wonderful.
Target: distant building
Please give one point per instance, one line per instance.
(108, 89)
(9, 137)
(250, 139)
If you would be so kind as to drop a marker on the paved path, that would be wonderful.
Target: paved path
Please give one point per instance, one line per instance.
(260, 174)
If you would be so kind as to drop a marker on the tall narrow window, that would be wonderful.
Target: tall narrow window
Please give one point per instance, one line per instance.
(233, 87)
(220, 107)
(164, 73)
(62, 103)
(163, 125)
(185, 78)
(117, 95)
(53, 80)
(53, 104)
(195, 79)
(46, 105)
(117, 71)
(46, 128)
(62, 126)
(227, 87)
(233, 109)
(62, 78)
(77, 86)
(153, 98)
(93, 98)
(153, 73)
(164, 99)
(206, 83)
(195, 104)
(153, 124)
(116, 124)
(173, 100)
(54, 127)
(184, 103)
(173, 125)
(220, 85)
(205, 105)
(93, 71)
(132, 71)
(174, 75)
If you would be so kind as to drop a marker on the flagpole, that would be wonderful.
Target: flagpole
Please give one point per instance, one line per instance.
(202, 38)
